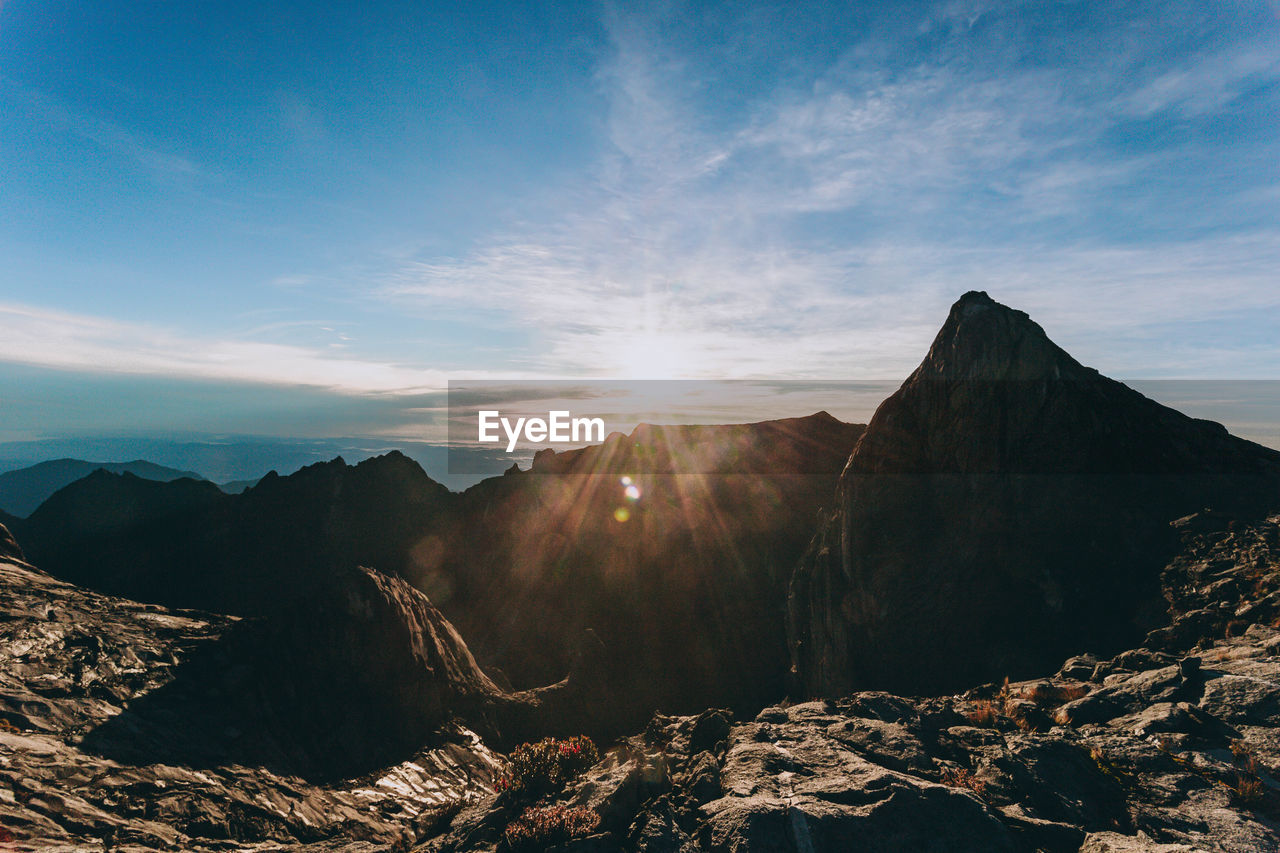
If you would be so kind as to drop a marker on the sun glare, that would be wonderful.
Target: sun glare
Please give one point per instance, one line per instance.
(658, 355)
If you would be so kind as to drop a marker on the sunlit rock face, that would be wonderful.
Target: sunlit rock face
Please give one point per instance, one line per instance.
(1006, 507)
(9, 548)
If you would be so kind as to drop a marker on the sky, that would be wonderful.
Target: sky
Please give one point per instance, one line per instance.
(304, 219)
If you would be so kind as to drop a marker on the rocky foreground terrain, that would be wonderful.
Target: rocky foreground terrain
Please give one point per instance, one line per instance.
(71, 661)
(1171, 746)
(1005, 509)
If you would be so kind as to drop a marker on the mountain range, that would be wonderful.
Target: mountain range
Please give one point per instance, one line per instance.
(687, 594)
(1079, 586)
(23, 490)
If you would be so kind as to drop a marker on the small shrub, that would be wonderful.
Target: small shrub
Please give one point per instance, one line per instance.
(1246, 788)
(985, 714)
(547, 766)
(1008, 702)
(544, 826)
(961, 777)
(1122, 777)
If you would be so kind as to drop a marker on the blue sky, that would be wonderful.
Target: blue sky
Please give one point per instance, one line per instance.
(301, 218)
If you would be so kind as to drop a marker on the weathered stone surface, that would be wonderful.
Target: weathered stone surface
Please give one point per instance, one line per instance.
(1243, 699)
(75, 665)
(1156, 766)
(1112, 842)
(866, 771)
(658, 831)
(807, 791)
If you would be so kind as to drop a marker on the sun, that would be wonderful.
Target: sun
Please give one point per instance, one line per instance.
(654, 354)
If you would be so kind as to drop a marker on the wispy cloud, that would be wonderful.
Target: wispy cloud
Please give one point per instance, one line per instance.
(1209, 84)
(144, 153)
(818, 227)
(823, 230)
(78, 342)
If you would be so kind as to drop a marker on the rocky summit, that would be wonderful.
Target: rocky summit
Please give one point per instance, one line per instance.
(1005, 507)
(1040, 612)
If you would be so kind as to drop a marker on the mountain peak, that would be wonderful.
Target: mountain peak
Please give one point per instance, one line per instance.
(983, 340)
(1004, 509)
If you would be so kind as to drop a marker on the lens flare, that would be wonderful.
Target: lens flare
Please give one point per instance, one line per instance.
(621, 514)
(632, 493)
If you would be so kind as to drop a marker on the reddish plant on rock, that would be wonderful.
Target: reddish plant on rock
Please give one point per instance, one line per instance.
(1246, 789)
(962, 777)
(547, 766)
(543, 826)
(985, 714)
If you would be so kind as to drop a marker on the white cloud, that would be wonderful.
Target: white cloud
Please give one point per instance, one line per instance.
(67, 341)
(1209, 84)
(689, 255)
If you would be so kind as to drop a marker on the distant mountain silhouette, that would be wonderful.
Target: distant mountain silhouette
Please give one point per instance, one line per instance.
(687, 593)
(1005, 508)
(188, 544)
(809, 445)
(235, 487)
(23, 490)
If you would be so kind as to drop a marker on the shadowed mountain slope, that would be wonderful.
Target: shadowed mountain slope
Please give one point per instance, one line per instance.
(686, 592)
(683, 576)
(1005, 508)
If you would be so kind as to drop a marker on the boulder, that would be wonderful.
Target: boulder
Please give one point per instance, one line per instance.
(809, 792)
